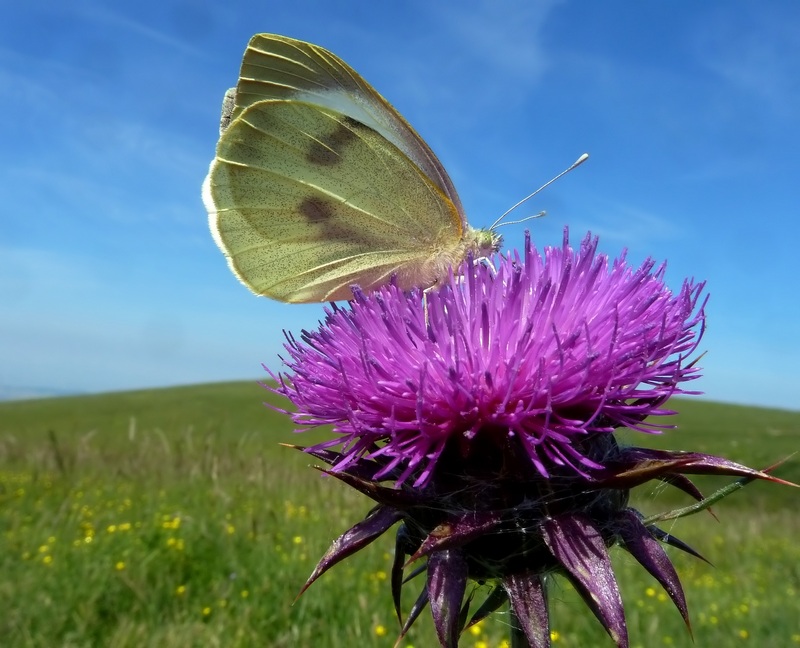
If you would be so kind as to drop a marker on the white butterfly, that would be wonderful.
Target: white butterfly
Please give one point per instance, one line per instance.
(319, 183)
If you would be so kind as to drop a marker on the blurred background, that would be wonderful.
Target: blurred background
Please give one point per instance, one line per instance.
(109, 278)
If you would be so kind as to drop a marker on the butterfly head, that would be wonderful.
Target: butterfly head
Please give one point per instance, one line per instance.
(485, 242)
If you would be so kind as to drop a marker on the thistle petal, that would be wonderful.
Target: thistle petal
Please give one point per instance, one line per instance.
(393, 497)
(401, 541)
(682, 482)
(447, 582)
(359, 536)
(578, 545)
(528, 598)
(413, 614)
(672, 541)
(638, 465)
(651, 555)
(497, 596)
(467, 526)
(363, 468)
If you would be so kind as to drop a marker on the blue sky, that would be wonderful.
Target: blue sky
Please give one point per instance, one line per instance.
(110, 280)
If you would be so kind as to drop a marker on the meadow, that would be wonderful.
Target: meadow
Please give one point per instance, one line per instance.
(173, 517)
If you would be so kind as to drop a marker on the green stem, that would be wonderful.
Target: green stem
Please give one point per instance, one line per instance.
(702, 505)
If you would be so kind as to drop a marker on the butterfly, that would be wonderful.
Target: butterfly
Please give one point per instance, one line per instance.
(319, 184)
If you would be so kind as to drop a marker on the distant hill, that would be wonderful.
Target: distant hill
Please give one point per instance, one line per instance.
(17, 392)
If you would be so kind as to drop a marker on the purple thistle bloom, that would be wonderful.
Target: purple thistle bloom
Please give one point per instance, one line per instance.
(489, 407)
(547, 350)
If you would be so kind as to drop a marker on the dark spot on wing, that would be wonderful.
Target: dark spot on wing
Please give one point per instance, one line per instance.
(316, 210)
(327, 150)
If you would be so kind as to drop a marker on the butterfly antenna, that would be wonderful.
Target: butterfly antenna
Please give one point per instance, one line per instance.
(575, 164)
(526, 219)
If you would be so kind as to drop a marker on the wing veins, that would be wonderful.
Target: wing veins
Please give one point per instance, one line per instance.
(344, 200)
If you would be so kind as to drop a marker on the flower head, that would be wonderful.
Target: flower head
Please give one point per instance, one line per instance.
(488, 408)
(545, 349)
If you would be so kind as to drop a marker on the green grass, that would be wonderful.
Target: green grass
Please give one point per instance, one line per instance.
(172, 518)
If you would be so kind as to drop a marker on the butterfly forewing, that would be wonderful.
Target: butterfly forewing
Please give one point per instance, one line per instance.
(276, 67)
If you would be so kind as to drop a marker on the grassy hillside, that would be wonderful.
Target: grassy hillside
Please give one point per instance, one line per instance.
(173, 517)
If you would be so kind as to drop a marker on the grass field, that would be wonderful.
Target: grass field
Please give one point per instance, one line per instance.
(173, 518)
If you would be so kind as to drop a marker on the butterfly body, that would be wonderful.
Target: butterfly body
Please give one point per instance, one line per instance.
(318, 184)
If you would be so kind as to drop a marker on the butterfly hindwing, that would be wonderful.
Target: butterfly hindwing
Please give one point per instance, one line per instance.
(309, 201)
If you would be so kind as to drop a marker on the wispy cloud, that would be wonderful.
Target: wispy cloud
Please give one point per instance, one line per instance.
(476, 54)
(93, 12)
(757, 52)
(627, 225)
(505, 44)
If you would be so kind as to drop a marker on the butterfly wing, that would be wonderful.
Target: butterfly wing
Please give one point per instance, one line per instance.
(308, 202)
(319, 184)
(277, 67)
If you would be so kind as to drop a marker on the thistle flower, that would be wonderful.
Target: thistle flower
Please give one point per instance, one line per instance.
(481, 418)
